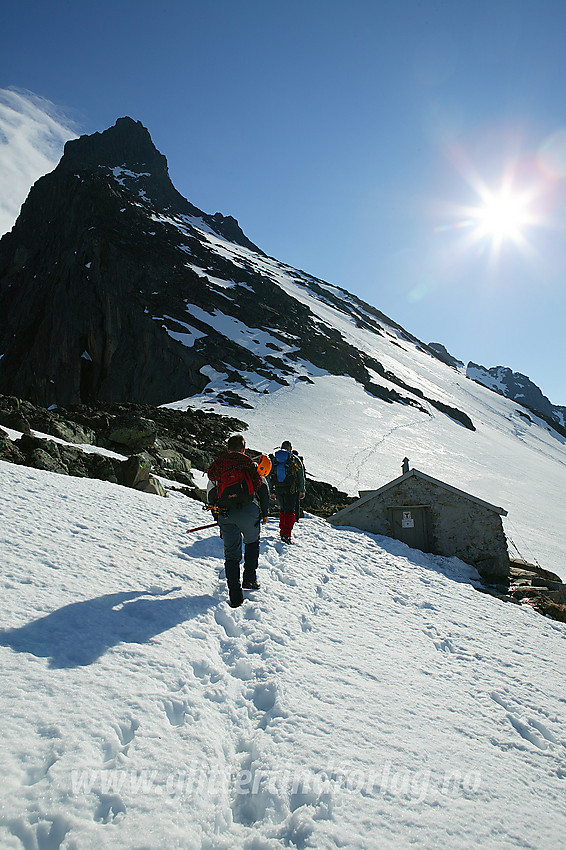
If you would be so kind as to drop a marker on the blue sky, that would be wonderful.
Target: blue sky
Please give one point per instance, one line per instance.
(360, 141)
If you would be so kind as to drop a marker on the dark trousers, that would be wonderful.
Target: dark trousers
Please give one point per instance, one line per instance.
(240, 524)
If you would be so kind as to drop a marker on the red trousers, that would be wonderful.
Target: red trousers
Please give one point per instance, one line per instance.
(286, 523)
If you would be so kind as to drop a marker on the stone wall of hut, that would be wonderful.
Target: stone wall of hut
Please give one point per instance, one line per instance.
(460, 526)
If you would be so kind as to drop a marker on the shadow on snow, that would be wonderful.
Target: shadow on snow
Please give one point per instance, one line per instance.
(79, 634)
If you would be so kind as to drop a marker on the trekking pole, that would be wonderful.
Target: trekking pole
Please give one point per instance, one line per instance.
(200, 527)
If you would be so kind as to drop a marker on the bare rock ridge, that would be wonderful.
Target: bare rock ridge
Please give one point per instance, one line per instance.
(521, 389)
(127, 146)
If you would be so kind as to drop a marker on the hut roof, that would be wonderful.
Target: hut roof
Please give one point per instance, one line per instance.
(368, 495)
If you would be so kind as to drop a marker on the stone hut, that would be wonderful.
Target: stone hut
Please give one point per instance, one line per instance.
(435, 517)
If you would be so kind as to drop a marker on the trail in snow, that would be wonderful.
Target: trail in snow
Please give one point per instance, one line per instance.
(366, 696)
(356, 466)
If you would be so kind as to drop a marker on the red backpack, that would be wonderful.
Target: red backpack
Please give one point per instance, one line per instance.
(234, 488)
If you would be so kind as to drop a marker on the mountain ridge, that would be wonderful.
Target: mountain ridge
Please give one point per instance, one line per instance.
(116, 288)
(107, 258)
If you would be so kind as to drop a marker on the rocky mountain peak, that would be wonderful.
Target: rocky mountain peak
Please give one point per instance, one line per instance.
(520, 388)
(127, 144)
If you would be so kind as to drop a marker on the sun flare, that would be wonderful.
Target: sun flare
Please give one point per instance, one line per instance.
(502, 216)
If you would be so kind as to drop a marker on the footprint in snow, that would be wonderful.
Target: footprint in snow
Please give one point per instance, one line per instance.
(306, 624)
(226, 620)
(442, 644)
(110, 809)
(36, 774)
(127, 730)
(176, 710)
(119, 745)
(45, 834)
(530, 729)
(54, 753)
(242, 670)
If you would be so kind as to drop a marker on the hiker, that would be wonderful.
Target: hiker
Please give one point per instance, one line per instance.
(288, 479)
(241, 497)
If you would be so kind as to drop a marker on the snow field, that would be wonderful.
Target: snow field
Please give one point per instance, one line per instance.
(356, 441)
(366, 696)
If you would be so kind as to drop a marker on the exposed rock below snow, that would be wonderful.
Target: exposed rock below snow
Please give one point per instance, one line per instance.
(172, 441)
(157, 441)
(529, 584)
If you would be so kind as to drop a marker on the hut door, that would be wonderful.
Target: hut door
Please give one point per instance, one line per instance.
(412, 526)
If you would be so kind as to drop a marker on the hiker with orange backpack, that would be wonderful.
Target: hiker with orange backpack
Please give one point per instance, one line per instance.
(242, 497)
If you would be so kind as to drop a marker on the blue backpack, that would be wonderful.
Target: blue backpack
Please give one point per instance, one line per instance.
(286, 468)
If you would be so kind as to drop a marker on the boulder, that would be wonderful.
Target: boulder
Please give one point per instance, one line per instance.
(530, 584)
(171, 459)
(133, 433)
(9, 451)
(135, 470)
(75, 461)
(102, 468)
(17, 421)
(151, 485)
(42, 459)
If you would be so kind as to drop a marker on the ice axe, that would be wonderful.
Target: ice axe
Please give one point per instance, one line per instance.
(200, 527)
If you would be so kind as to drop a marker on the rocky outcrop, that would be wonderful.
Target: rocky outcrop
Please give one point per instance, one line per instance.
(153, 442)
(156, 441)
(324, 499)
(532, 585)
(443, 354)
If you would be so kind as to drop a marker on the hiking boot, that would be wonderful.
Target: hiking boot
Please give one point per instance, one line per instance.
(236, 597)
(285, 539)
(250, 566)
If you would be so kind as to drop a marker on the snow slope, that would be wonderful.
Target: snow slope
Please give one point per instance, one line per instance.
(355, 441)
(368, 696)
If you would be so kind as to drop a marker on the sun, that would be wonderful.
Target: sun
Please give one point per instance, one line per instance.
(502, 216)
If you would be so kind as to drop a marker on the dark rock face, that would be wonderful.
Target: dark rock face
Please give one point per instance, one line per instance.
(441, 352)
(324, 499)
(76, 275)
(115, 288)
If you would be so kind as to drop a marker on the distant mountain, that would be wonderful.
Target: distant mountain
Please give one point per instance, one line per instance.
(505, 382)
(517, 387)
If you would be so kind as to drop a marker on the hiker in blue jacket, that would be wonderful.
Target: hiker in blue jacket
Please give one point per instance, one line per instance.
(288, 481)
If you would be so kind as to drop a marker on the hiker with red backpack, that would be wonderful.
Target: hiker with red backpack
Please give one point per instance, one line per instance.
(241, 496)
(288, 480)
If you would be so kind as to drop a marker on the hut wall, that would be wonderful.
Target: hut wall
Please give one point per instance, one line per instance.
(460, 526)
